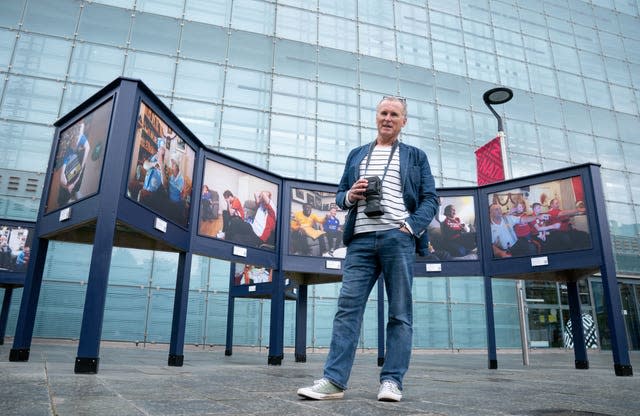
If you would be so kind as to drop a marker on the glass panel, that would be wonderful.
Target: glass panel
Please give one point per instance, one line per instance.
(520, 107)
(378, 75)
(617, 71)
(337, 33)
(245, 130)
(203, 119)
(430, 325)
(33, 100)
(10, 13)
(296, 24)
(484, 127)
(206, 42)
(25, 146)
(543, 80)
(448, 58)
(592, 65)
(559, 32)
(445, 27)
(339, 104)
(416, 82)
(538, 51)
(294, 96)
(44, 56)
(576, 117)
(571, 87)
(631, 152)
(377, 12)
(146, 36)
(598, 93)
(445, 6)
(248, 89)
(587, 39)
(214, 12)
(413, 50)
(482, 66)
(581, 148)
(542, 292)
(634, 185)
(40, 14)
(468, 326)
(610, 154)
(623, 99)
(411, 19)
(513, 73)
(337, 67)
(164, 7)
(612, 45)
(632, 49)
(295, 59)
(95, 64)
(250, 51)
(335, 141)
(509, 44)
(7, 44)
(342, 8)
(292, 167)
(522, 137)
(75, 94)
(253, 16)
(455, 125)
(152, 69)
(565, 57)
(478, 35)
(104, 24)
(198, 80)
(553, 143)
(292, 136)
(458, 162)
(125, 313)
(621, 219)
(452, 90)
(548, 110)
(628, 127)
(523, 165)
(377, 41)
(615, 185)
(476, 9)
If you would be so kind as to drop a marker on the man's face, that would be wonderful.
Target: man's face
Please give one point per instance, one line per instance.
(306, 210)
(496, 212)
(390, 119)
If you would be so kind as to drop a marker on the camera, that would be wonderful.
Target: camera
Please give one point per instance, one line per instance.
(373, 196)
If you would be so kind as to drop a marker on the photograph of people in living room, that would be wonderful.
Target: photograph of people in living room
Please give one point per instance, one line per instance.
(238, 207)
(316, 224)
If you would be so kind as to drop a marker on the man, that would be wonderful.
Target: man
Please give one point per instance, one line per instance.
(382, 235)
(333, 229)
(306, 224)
(504, 241)
(264, 222)
(74, 162)
(457, 241)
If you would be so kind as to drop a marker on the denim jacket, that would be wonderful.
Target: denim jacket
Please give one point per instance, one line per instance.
(418, 192)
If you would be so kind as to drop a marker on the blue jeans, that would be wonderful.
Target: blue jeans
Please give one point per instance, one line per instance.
(392, 253)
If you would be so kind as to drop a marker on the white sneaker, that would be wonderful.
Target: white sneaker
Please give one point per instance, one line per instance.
(389, 392)
(322, 389)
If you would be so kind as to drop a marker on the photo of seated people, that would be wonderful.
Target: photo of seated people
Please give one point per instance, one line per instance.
(316, 224)
(237, 207)
(161, 174)
(452, 233)
(79, 158)
(249, 274)
(15, 243)
(544, 218)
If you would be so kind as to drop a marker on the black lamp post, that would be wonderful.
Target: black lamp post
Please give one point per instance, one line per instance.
(499, 95)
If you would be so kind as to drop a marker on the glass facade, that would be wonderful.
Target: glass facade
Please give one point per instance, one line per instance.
(291, 86)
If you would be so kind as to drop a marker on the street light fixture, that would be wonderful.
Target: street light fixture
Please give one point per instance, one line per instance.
(499, 95)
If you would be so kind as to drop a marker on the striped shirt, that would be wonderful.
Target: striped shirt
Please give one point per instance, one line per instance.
(392, 203)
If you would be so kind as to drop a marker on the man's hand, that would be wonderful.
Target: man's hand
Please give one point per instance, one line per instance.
(356, 193)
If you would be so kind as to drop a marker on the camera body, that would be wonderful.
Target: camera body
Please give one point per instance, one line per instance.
(373, 196)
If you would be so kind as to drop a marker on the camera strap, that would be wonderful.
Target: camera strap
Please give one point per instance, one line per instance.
(371, 147)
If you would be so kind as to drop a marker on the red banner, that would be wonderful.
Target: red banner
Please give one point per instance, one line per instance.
(489, 162)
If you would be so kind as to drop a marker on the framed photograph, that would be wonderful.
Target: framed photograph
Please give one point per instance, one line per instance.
(238, 207)
(79, 157)
(453, 233)
(15, 247)
(249, 274)
(539, 218)
(315, 227)
(162, 166)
